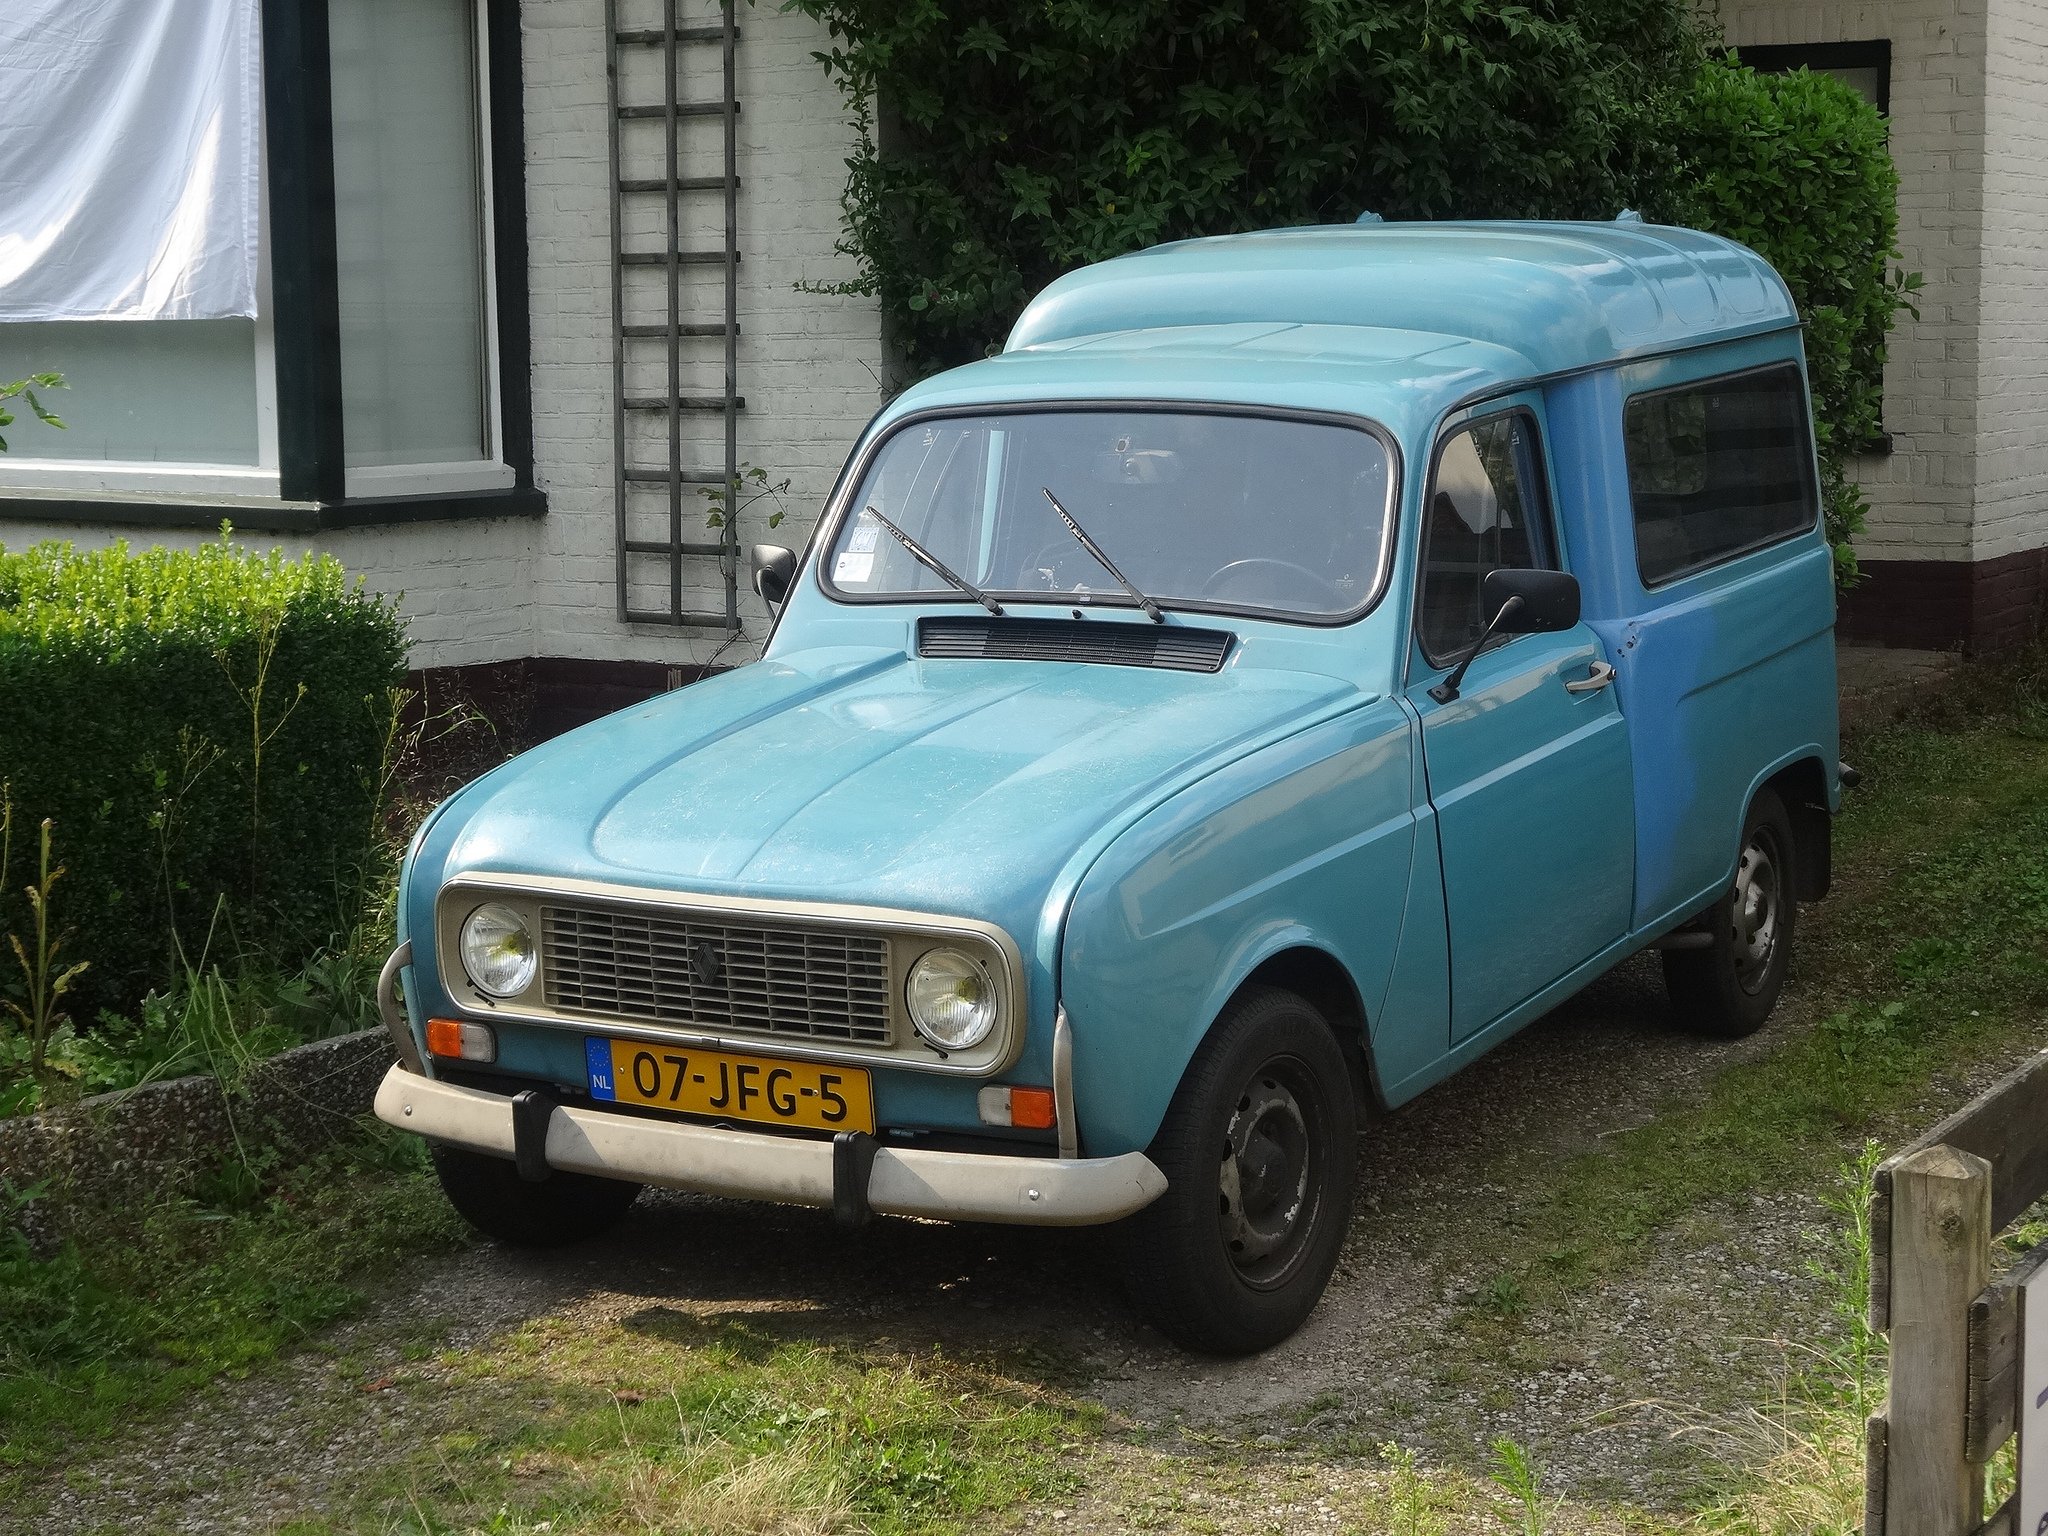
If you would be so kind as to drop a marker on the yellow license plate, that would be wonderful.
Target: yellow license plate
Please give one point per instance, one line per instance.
(727, 1085)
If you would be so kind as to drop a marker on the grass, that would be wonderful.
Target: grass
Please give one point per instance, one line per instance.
(156, 1303)
(662, 1421)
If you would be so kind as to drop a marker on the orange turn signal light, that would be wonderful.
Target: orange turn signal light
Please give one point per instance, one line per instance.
(1030, 1109)
(460, 1041)
(1033, 1109)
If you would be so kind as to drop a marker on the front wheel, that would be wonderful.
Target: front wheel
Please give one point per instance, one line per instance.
(1258, 1149)
(1729, 987)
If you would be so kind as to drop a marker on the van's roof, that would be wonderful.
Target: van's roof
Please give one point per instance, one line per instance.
(1562, 295)
(1396, 322)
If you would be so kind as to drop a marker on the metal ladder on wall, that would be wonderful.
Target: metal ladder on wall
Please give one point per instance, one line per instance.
(662, 537)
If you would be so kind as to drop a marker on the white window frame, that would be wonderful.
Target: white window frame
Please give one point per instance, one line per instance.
(491, 472)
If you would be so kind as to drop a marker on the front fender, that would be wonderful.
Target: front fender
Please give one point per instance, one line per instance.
(1307, 842)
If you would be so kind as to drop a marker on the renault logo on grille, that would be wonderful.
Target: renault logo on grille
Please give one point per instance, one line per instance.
(705, 961)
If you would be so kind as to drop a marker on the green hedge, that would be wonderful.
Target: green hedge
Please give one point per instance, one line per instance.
(1026, 139)
(134, 688)
(1796, 167)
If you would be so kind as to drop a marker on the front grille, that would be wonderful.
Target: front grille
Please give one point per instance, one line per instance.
(1107, 642)
(662, 967)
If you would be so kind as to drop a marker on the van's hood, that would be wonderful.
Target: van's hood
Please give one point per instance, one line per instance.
(945, 786)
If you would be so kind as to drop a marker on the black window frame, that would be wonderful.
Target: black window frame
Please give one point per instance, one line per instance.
(312, 494)
(1551, 555)
(1726, 557)
(1784, 58)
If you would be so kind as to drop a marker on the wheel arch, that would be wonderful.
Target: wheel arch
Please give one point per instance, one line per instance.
(1802, 788)
(1317, 975)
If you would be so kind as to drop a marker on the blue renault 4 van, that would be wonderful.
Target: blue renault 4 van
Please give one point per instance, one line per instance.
(1297, 662)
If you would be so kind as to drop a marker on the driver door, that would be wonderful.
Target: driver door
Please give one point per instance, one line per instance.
(1528, 769)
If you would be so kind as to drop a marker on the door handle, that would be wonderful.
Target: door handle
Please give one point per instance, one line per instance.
(1600, 675)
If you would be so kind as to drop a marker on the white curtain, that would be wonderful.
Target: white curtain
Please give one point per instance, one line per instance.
(129, 159)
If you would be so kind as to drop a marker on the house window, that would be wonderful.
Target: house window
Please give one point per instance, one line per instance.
(410, 163)
(1865, 67)
(384, 374)
(139, 392)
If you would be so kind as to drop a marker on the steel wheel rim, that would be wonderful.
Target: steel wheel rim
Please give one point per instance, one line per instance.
(1757, 913)
(1267, 1179)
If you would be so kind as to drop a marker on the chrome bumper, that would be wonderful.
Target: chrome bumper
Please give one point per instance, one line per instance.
(749, 1165)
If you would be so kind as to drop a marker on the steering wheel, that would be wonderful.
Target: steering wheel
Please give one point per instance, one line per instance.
(1231, 572)
(1057, 555)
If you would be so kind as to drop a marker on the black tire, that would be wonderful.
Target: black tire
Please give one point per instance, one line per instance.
(1219, 1263)
(561, 1209)
(1728, 989)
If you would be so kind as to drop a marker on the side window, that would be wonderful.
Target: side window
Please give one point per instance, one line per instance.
(1717, 469)
(1485, 510)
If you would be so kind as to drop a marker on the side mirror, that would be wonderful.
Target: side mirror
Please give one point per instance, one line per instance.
(775, 569)
(1550, 601)
(1523, 603)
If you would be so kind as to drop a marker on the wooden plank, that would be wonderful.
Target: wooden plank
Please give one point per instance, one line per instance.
(1875, 1432)
(2000, 1524)
(2006, 1126)
(1994, 1371)
(1941, 1256)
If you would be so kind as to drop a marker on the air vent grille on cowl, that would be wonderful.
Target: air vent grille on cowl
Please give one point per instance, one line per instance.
(1106, 642)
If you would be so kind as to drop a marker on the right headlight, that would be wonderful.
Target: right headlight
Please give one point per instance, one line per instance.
(952, 999)
(498, 950)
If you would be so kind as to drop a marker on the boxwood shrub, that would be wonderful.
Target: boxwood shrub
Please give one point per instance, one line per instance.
(207, 729)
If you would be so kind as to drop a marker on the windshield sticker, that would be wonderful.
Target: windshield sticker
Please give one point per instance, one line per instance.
(855, 565)
(865, 533)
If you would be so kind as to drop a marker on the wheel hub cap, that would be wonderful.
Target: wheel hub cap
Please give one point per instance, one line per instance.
(1264, 1174)
(1756, 913)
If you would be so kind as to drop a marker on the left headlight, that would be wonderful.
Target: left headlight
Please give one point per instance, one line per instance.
(952, 1000)
(498, 950)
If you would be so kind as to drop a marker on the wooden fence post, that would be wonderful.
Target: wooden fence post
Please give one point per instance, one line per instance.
(1940, 1259)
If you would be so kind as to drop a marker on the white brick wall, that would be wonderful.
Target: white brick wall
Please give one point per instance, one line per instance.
(2012, 365)
(1923, 495)
(808, 365)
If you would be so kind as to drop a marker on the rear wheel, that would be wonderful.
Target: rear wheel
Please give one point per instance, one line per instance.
(561, 1209)
(1258, 1149)
(1728, 987)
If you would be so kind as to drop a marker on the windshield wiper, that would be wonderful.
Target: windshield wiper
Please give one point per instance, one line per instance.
(1152, 609)
(937, 566)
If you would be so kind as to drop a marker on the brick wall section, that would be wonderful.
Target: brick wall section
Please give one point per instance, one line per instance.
(1922, 495)
(2012, 372)
(809, 365)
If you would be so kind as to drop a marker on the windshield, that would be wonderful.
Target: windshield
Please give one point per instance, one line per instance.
(1196, 509)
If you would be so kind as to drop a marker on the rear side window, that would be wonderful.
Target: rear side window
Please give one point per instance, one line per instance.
(1718, 468)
